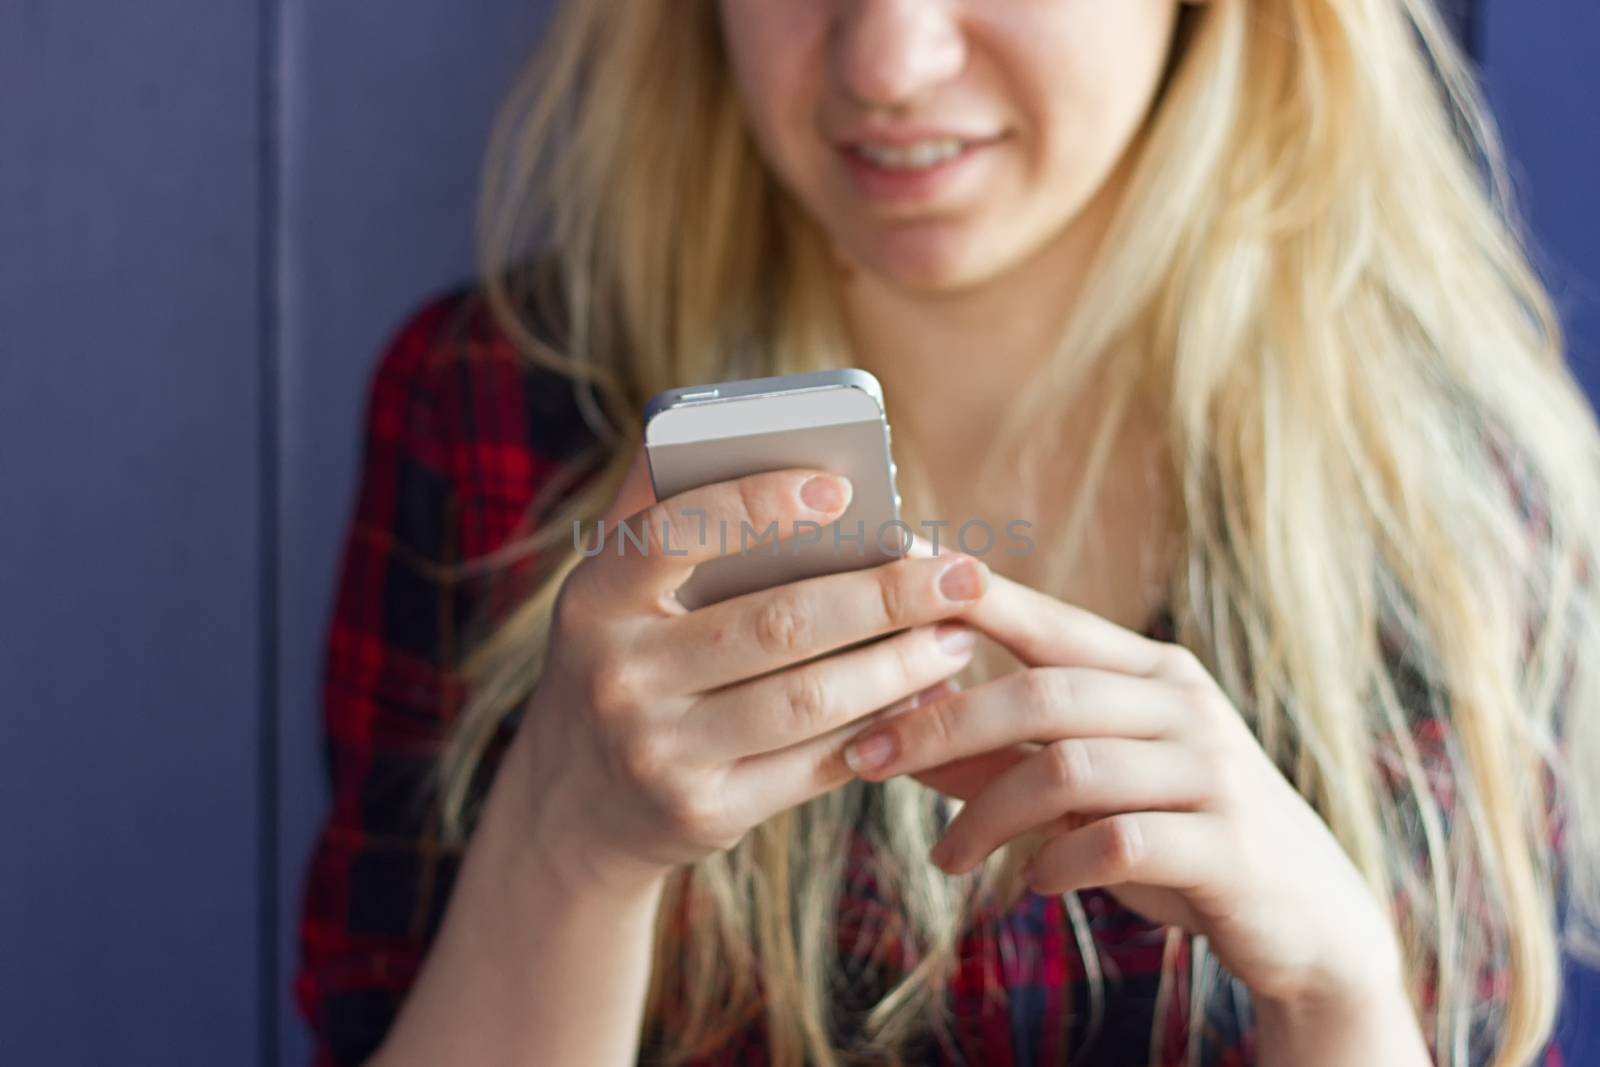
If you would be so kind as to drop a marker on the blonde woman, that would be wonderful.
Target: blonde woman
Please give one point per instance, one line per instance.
(1278, 748)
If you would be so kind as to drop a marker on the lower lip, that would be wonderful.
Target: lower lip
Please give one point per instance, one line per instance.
(910, 186)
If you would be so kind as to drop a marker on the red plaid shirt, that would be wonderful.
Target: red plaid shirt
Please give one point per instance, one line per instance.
(461, 434)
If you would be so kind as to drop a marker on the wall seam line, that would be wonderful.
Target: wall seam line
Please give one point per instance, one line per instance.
(268, 354)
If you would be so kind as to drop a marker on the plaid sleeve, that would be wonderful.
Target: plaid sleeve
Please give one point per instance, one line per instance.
(378, 877)
(459, 434)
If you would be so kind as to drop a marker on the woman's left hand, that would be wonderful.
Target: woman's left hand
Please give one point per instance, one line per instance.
(1188, 820)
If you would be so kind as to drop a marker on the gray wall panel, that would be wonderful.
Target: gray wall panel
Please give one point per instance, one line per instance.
(386, 116)
(128, 609)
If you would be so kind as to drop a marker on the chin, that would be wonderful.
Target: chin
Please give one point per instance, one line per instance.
(923, 259)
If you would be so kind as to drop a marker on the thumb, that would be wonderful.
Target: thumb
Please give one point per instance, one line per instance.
(636, 492)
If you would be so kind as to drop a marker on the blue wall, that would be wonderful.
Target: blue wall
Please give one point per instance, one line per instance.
(130, 581)
(384, 115)
(1539, 61)
(211, 215)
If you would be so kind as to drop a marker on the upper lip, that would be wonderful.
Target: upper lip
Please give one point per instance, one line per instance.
(909, 135)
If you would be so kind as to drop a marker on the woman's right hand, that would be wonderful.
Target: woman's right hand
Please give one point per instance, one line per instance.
(657, 735)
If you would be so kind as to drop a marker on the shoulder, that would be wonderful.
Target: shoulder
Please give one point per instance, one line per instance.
(452, 356)
(471, 407)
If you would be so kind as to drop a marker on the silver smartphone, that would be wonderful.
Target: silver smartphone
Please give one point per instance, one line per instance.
(830, 420)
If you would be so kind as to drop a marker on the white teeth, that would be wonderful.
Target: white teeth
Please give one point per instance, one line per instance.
(919, 156)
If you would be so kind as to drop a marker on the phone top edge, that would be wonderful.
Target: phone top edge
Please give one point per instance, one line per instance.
(761, 414)
(745, 389)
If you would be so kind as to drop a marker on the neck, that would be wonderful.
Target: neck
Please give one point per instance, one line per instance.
(955, 359)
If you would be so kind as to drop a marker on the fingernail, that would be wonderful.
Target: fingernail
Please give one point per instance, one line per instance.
(826, 493)
(961, 580)
(869, 753)
(954, 638)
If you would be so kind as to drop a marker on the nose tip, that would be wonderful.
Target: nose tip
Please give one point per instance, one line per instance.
(888, 51)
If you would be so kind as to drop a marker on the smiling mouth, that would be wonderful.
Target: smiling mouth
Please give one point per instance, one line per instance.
(914, 156)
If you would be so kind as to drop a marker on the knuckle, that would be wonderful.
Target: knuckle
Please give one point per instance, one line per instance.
(807, 701)
(1043, 691)
(615, 686)
(1180, 661)
(1121, 843)
(1209, 705)
(692, 814)
(783, 626)
(894, 600)
(1070, 764)
(904, 663)
(751, 501)
(940, 720)
(646, 755)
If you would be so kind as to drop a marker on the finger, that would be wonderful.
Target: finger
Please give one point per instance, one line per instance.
(652, 551)
(764, 631)
(1183, 851)
(791, 706)
(767, 784)
(965, 778)
(937, 691)
(922, 548)
(1040, 630)
(1080, 775)
(1043, 704)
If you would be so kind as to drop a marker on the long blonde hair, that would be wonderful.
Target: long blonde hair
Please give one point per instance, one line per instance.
(1388, 477)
